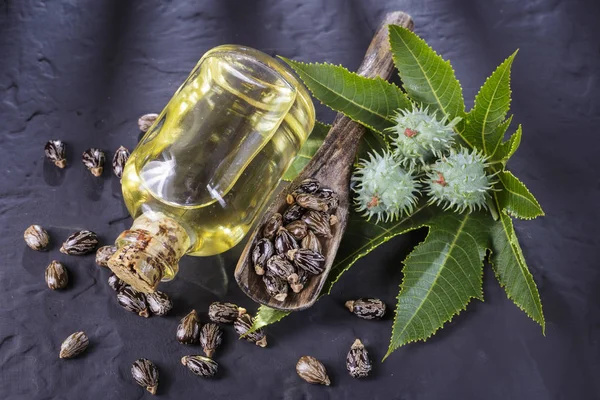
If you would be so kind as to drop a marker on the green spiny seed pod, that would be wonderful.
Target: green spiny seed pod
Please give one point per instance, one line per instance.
(419, 137)
(383, 188)
(459, 181)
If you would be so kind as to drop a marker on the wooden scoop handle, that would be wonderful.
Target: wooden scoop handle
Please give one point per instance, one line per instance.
(341, 144)
(378, 60)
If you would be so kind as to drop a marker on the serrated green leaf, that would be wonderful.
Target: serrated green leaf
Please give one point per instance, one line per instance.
(309, 148)
(508, 148)
(266, 316)
(516, 199)
(511, 270)
(426, 77)
(491, 106)
(441, 276)
(371, 102)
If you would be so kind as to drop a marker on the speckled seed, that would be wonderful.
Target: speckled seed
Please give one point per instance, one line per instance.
(188, 330)
(145, 374)
(225, 313)
(146, 121)
(309, 260)
(119, 159)
(103, 254)
(275, 286)
(272, 226)
(282, 268)
(294, 212)
(306, 186)
(159, 303)
(80, 243)
(312, 370)
(74, 345)
(311, 242)
(56, 152)
(263, 250)
(243, 325)
(284, 241)
(57, 276)
(36, 238)
(200, 365)
(298, 229)
(312, 202)
(318, 222)
(134, 301)
(366, 308)
(93, 159)
(358, 362)
(211, 337)
(115, 283)
(300, 283)
(332, 198)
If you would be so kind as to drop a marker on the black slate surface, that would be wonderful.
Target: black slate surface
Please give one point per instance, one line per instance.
(84, 71)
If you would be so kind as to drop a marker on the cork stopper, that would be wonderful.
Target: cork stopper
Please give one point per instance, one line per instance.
(149, 252)
(132, 264)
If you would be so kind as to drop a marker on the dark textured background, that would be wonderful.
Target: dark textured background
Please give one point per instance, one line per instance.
(83, 71)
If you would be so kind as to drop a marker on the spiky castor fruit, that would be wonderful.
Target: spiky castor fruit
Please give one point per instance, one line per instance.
(459, 181)
(383, 188)
(419, 136)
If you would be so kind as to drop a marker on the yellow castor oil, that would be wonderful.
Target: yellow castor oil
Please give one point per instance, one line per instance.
(202, 173)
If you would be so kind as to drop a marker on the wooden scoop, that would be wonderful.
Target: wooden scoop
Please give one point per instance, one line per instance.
(332, 167)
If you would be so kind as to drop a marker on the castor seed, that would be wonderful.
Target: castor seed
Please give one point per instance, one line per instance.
(312, 371)
(224, 313)
(57, 276)
(145, 374)
(188, 330)
(358, 362)
(74, 345)
(36, 238)
(366, 308)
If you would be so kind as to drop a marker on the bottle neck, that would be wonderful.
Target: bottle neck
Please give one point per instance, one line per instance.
(149, 252)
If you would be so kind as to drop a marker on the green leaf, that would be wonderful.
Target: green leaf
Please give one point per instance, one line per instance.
(371, 102)
(508, 148)
(516, 199)
(309, 148)
(426, 77)
(491, 106)
(441, 276)
(511, 270)
(266, 316)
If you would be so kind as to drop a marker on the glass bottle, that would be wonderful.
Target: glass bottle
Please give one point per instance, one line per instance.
(202, 173)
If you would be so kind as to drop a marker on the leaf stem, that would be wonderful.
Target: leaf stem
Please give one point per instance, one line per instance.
(493, 209)
(495, 162)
